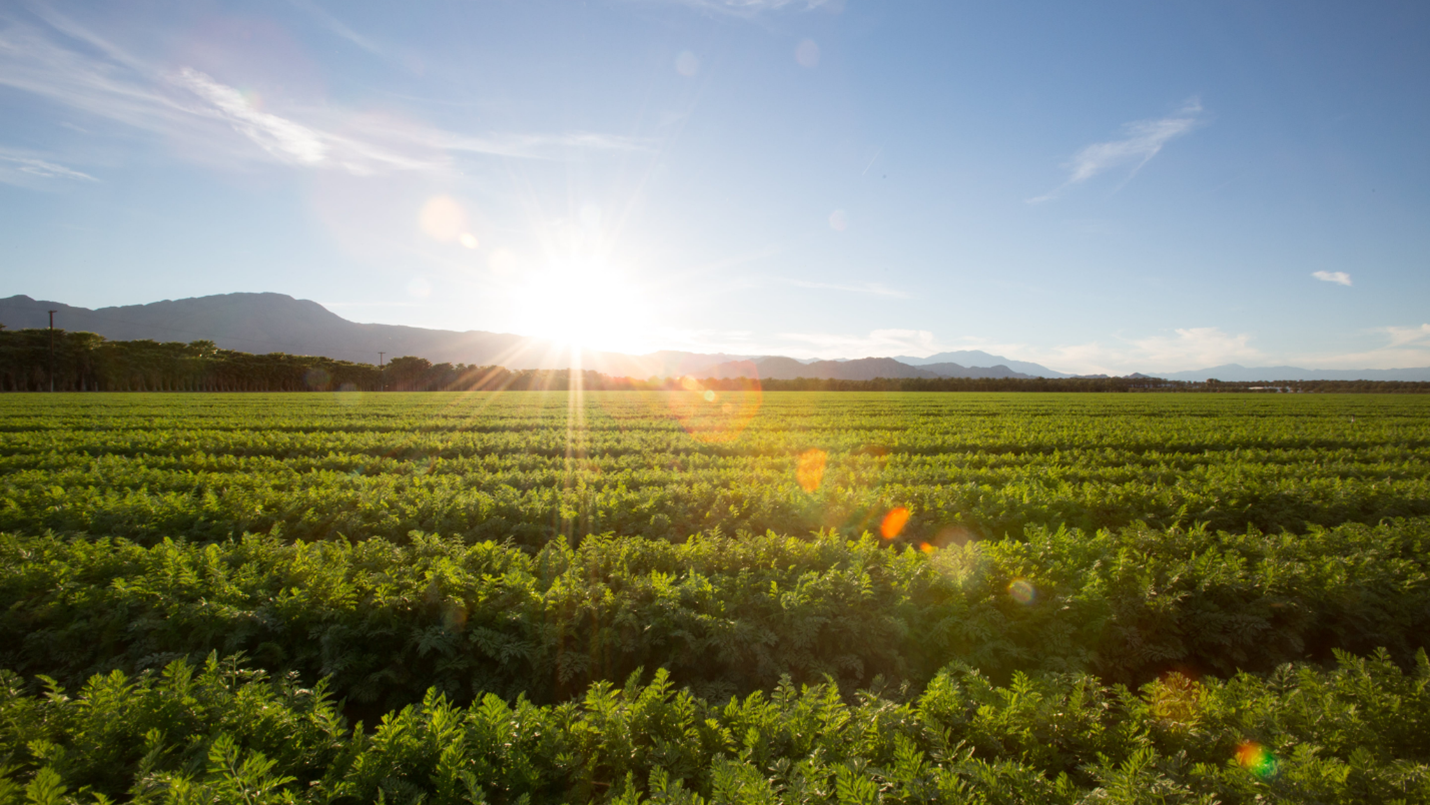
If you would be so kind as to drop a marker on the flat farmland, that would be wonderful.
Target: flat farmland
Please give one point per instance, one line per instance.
(716, 596)
(529, 466)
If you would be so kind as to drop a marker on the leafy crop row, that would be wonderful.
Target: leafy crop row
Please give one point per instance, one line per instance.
(475, 576)
(224, 733)
(722, 615)
(532, 466)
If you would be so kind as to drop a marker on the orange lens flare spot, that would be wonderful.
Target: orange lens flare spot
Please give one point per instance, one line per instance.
(809, 470)
(926, 548)
(442, 218)
(1253, 757)
(1022, 591)
(713, 417)
(894, 522)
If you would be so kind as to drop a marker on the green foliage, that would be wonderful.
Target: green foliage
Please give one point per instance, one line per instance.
(549, 598)
(533, 466)
(1353, 733)
(720, 615)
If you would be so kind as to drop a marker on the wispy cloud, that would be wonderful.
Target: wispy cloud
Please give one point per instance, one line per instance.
(872, 288)
(1403, 348)
(1181, 349)
(278, 136)
(1193, 347)
(750, 8)
(1402, 336)
(70, 65)
(25, 169)
(877, 344)
(1142, 140)
(338, 28)
(1338, 277)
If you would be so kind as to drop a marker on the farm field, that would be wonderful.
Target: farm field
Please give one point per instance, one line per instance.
(700, 596)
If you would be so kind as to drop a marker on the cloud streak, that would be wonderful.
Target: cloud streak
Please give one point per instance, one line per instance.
(338, 28)
(751, 8)
(1404, 336)
(278, 136)
(23, 169)
(71, 66)
(872, 288)
(1142, 140)
(1338, 277)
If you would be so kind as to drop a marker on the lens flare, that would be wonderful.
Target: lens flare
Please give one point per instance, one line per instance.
(894, 522)
(711, 417)
(1176, 698)
(1022, 591)
(1255, 758)
(952, 535)
(468, 239)
(442, 218)
(687, 64)
(454, 616)
(809, 469)
(318, 379)
(348, 395)
(926, 548)
(807, 53)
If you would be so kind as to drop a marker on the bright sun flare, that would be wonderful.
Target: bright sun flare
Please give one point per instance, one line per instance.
(584, 305)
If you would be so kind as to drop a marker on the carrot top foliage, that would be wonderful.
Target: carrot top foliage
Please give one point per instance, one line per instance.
(530, 597)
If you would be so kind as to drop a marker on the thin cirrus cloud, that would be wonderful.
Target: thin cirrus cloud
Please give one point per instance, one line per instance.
(28, 169)
(278, 136)
(1402, 336)
(1181, 349)
(751, 8)
(1143, 140)
(69, 65)
(338, 28)
(872, 288)
(878, 343)
(1338, 277)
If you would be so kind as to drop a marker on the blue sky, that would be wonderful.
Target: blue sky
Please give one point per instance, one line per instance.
(1098, 187)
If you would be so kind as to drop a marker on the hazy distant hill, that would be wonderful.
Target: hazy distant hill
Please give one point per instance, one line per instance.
(978, 359)
(1239, 373)
(271, 322)
(779, 368)
(955, 370)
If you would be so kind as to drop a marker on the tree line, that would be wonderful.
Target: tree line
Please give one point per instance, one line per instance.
(40, 360)
(1116, 384)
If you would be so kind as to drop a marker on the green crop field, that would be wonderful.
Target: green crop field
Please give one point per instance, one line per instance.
(706, 596)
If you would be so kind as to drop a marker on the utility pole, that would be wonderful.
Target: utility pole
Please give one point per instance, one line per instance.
(52, 351)
(382, 375)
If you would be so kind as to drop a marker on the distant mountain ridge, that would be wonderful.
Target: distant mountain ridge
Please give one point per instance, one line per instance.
(1243, 374)
(273, 322)
(979, 358)
(780, 368)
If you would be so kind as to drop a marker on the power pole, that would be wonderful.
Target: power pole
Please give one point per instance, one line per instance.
(382, 375)
(52, 351)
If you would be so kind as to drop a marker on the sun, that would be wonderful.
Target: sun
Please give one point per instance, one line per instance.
(585, 304)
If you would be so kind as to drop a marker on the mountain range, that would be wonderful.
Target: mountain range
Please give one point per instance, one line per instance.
(272, 322)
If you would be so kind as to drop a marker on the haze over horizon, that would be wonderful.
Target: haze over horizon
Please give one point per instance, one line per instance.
(1147, 189)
